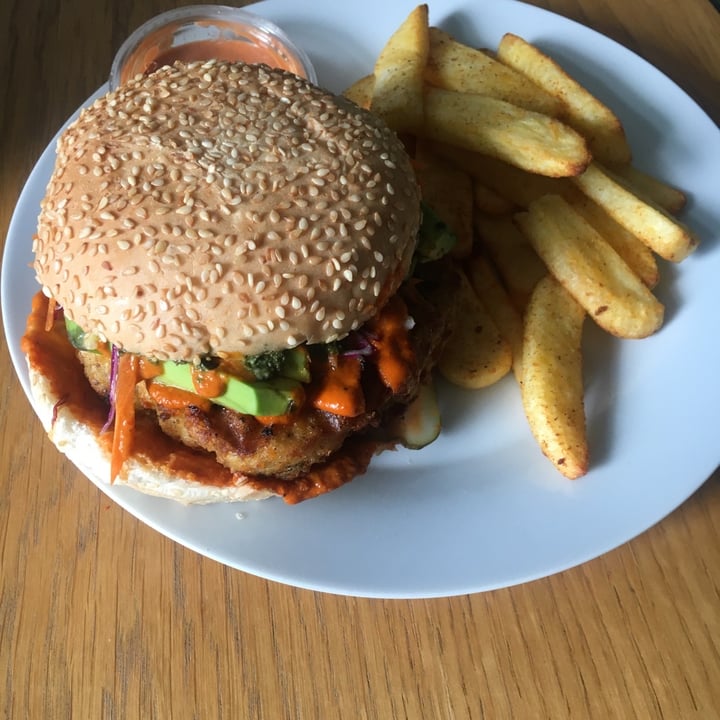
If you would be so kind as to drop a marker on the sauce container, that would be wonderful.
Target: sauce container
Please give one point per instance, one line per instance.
(204, 32)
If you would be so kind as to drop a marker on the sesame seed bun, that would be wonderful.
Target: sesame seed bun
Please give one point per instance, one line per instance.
(217, 207)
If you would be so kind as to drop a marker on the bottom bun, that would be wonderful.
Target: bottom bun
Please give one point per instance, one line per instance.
(75, 418)
(81, 444)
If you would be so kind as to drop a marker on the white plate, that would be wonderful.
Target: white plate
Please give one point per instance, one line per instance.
(481, 508)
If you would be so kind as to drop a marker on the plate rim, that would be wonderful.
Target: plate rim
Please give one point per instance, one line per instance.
(127, 499)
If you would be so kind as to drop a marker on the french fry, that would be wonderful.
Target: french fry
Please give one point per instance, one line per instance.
(517, 263)
(494, 297)
(454, 66)
(448, 190)
(654, 226)
(633, 251)
(486, 200)
(651, 188)
(476, 355)
(531, 141)
(590, 270)
(361, 91)
(582, 110)
(398, 89)
(552, 387)
(533, 173)
(512, 183)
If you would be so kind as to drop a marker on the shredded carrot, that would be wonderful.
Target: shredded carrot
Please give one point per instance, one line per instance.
(339, 390)
(124, 412)
(50, 316)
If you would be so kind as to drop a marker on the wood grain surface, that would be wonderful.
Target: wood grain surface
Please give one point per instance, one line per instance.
(102, 617)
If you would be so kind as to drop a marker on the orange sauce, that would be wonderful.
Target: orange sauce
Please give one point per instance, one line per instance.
(208, 383)
(226, 50)
(268, 420)
(51, 353)
(394, 354)
(174, 398)
(339, 390)
(148, 369)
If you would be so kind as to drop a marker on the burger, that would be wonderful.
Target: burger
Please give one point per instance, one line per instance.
(242, 293)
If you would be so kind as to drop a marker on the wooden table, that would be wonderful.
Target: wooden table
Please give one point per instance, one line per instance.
(102, 617)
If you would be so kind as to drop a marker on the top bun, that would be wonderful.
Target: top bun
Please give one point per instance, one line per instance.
(220, 207)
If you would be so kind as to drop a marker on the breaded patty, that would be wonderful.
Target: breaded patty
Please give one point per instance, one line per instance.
(288, 450)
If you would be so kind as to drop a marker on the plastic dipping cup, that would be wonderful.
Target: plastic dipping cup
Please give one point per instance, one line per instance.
(206, 32)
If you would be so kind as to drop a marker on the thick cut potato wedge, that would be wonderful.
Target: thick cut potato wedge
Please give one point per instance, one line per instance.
(662, 233)
(651, 188)
(632, 250)
(454, 66)
(476, 354)
(582, 110)
(512, 183)
(590, 270)
(398, 88)
(505, 315)
(361, 91)
(552, 388)
(534, 142)
(486, 200)
(517, 263)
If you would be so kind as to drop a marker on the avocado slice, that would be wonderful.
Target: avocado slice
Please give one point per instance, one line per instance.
(79, 338)
(264, 398)
(435, 238)
(296, 364)
(269, 398)
(291, 363)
